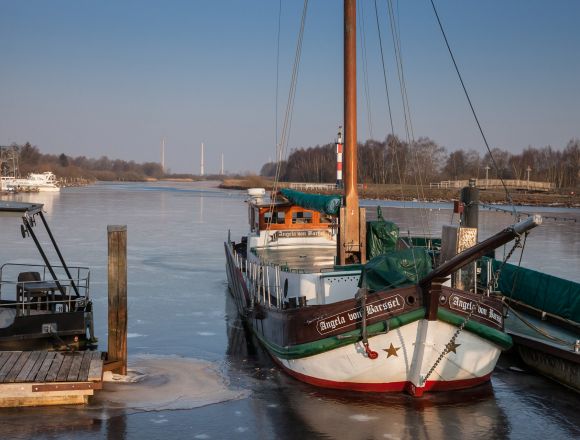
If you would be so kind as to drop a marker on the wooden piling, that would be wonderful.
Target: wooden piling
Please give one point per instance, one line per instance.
(117, 343)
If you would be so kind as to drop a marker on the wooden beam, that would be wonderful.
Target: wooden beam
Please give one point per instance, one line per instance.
(117, 343)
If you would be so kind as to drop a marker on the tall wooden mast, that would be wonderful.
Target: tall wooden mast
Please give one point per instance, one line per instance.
(351, 243)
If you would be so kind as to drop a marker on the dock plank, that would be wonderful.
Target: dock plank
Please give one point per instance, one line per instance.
(54, 368)
(8, 365)
(4, 357)
(11, 376)
(64, 368)
(27, 367)
(73, 373)
(44, 367)
(36, 367)
(96, 367)
(85, 365)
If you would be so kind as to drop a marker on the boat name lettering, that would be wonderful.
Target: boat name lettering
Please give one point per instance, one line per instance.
(332, 324)
(457, 302)
(297, 234)
(373, 309)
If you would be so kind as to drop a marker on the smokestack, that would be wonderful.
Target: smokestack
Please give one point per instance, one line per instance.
(201, 171)
(163, 155)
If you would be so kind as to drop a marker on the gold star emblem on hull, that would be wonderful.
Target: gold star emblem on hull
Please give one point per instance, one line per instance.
(451, 347)
(392, 351)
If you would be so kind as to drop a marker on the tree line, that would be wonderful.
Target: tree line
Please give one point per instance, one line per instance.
(27, 158)
(424, 161)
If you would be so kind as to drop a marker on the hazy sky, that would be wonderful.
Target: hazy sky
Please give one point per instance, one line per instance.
(113, 77)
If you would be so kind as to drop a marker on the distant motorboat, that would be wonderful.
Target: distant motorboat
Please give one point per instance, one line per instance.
(34, 182)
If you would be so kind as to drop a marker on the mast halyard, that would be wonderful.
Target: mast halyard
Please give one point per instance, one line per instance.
(351, 242)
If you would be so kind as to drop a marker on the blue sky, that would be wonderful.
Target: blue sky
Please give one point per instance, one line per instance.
(112, 78)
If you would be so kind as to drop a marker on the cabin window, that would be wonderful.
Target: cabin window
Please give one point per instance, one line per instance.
(278, 218)
(302, 217)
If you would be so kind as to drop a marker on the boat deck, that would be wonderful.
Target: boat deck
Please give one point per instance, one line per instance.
(304, 259)
(32, 378)
(541, 334)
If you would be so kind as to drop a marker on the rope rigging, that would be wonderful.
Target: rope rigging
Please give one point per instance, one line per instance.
(409, 130)
(285, 135)
(395, 149)
(363, 40)
(508, 195)
(277, 70)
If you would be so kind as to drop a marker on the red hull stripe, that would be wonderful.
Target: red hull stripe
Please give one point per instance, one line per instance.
(387, 387)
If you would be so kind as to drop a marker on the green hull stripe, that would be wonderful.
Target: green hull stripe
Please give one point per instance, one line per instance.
(496, 336)
(499, 338)
(326, 344)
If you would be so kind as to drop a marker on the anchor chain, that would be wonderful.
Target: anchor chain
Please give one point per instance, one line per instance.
(362, 293)
(451, 344)
(496, 274)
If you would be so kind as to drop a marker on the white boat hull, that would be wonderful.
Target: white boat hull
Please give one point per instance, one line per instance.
(403, 362)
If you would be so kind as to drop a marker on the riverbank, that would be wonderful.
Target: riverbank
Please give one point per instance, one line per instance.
(568, 199)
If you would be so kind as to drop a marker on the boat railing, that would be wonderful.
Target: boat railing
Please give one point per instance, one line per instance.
(31, 287)
(262, 280)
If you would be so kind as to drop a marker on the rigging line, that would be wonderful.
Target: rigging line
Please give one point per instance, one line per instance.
(395, 33)
(394, 142)
(278, 166)
(384, 68)
(548, 335)
(278, 69)
(365, 68)
(281, 147)
(393, 139)
(508, 195)
(291, 95)
(295, 79)
(410, 136)
(407, 114)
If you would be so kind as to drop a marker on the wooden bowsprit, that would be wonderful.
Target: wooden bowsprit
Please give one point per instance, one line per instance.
(36, 378)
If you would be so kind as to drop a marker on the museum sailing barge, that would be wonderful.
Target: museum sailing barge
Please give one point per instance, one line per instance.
(343, 303)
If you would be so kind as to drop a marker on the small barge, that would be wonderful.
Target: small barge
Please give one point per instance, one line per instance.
(543, 320)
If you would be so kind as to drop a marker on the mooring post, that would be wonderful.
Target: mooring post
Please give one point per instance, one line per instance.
(117, 343)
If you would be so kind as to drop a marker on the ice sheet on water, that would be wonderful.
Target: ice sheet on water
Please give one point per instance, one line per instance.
(166, 383)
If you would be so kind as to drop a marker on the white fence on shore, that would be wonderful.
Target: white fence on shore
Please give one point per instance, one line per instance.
(496, 183)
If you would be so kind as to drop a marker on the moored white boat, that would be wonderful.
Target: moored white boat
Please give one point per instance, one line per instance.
(34, 182)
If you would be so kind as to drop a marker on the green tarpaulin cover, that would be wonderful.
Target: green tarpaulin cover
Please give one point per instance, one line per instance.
(382, 237)
(396, 269)
(542, 291)
(317, 202)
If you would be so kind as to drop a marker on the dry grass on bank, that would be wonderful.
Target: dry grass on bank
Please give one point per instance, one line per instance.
(410, 192)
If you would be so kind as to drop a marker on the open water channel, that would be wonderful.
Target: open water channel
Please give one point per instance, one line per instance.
(200, 377)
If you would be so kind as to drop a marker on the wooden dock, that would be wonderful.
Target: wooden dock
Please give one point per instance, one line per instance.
(35, 378)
